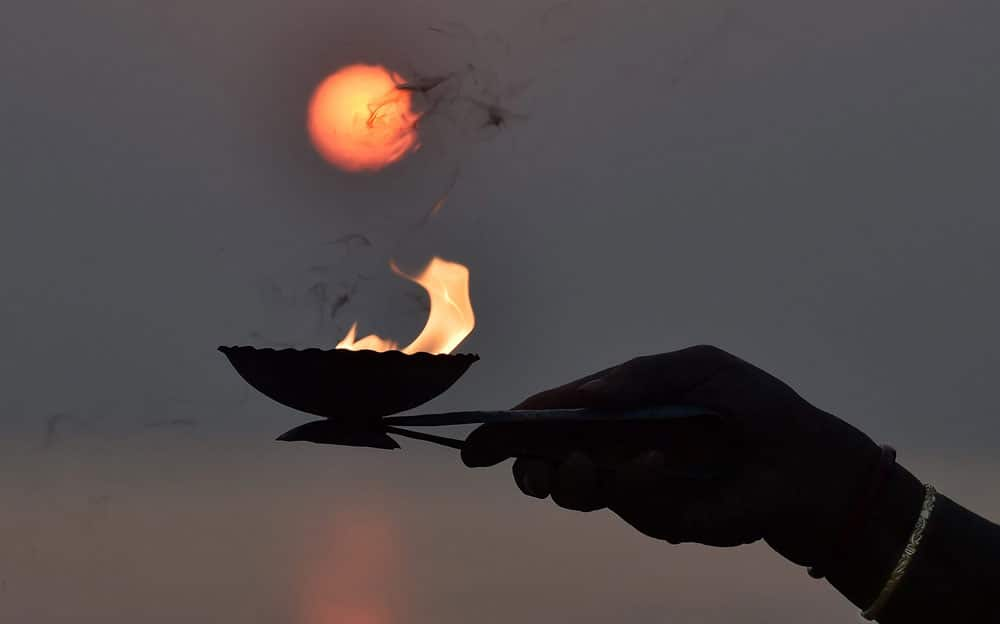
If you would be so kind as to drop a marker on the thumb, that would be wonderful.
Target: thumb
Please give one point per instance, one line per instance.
(485, 446)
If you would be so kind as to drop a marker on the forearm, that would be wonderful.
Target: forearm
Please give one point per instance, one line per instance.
(954, 572)
(954, 575)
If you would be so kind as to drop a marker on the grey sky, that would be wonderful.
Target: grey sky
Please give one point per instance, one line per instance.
(809, 185)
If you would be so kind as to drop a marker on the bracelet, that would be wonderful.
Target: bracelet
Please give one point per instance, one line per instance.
(856, 521)
(930, 495)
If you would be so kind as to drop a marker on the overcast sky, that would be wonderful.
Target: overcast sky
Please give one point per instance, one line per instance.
(810, 185)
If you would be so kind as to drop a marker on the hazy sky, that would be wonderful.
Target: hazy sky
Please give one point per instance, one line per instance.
(810, 185)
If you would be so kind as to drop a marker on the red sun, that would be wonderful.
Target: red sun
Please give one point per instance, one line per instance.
(359, 121)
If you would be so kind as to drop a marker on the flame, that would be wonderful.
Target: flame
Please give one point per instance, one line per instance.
(450, 320)
(359, 121)
(371, 342)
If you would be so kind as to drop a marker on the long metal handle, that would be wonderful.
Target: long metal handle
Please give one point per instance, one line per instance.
(664, 412)
(427, 437)
(647, 414)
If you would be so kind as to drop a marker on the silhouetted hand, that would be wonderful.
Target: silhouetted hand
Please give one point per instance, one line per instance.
(772, 466)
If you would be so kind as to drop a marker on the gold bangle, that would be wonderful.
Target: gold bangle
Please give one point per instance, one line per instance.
(930, 495)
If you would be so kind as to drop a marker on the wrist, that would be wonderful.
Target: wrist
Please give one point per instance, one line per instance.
(859, 510)
(865, 564)
(906, 557)
(832, 482)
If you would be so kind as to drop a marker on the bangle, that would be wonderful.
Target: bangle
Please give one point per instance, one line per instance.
(856, 521)
(930, 495)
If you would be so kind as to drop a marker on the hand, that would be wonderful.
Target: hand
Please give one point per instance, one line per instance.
(780, 469)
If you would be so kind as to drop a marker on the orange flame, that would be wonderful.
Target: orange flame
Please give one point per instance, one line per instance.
(359, 121)
(370, 342)
(450, 320)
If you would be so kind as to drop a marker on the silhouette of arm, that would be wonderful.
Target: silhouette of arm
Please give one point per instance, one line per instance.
(780, 470)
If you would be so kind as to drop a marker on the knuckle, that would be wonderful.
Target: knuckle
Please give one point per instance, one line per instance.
(638, 363)
(708, 350)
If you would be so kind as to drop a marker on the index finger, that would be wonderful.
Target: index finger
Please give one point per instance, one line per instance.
(647, 380)
(565, 396)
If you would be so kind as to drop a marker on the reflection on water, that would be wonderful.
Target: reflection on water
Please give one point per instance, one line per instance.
(353, 573)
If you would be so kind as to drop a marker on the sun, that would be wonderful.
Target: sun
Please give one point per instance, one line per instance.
(359, 121)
